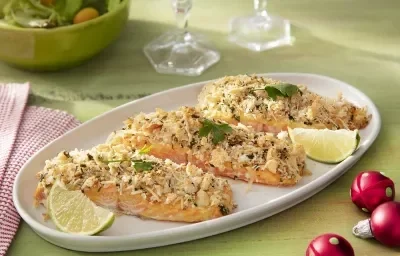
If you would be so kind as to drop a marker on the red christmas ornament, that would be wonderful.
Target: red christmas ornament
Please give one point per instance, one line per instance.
(370, 189)
(329, 245)
(384, 225)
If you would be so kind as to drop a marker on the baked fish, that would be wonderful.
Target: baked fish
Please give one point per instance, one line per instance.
(134, 183)
(238, 152)
(271, 105)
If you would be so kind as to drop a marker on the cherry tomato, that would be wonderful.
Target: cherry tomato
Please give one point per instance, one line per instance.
(86, 14)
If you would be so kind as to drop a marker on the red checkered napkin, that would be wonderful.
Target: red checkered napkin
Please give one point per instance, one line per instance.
(23, 131)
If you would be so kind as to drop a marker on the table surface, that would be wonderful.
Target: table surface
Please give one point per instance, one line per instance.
(354, 41)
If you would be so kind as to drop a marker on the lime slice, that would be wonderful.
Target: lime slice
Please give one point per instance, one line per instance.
(73, 212)
(327, 146)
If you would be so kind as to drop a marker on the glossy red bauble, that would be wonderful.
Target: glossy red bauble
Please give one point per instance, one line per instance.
(370, 189)
(384, 225)
(329, 245)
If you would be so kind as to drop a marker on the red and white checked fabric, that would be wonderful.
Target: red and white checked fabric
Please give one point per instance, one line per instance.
(23, 131)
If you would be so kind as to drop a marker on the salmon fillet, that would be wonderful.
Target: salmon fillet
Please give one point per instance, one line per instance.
(132, 183)
(243, 99)
(241, 154)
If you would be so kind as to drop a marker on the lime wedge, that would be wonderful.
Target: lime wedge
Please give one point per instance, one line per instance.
(73, 212)
(327, 146)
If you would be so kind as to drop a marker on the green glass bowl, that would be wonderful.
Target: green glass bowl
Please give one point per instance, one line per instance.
(63, 47)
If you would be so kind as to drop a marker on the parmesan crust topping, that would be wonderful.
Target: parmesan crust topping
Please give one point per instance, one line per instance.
(242, 148)
(232, 97)
(161, 181)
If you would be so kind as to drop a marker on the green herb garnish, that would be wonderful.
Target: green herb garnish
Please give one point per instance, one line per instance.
(141, 165)
(66, 154)
(284, 90)
(42, 176)
(224, 211)
(146, 149)
(218, 131)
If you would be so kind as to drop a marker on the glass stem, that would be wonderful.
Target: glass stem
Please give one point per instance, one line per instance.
(260, 7)
(182, 10)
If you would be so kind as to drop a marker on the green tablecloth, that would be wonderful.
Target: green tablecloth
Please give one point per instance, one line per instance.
(355, 41)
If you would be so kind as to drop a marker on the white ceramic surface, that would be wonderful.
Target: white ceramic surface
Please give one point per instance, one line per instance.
(128, 233)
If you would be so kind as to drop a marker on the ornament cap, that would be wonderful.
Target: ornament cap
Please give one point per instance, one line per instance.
(363, 229)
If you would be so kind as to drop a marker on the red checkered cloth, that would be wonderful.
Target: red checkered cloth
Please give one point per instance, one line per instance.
(23, 131)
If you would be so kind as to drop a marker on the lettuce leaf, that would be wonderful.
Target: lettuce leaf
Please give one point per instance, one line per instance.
(99, 5)
(112, 4)
(67, 9)
(33, 14)
(29, 13)
(3, 3)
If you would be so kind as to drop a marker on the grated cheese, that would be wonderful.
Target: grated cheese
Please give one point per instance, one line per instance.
(241, 148)
(165, 182)
(234, 96)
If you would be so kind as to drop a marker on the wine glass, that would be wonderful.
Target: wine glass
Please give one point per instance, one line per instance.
(260, 31)
(180, 51)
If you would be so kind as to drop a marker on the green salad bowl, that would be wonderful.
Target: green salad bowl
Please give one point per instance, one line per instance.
(63, 47)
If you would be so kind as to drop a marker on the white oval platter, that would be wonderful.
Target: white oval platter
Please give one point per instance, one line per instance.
(128, 232)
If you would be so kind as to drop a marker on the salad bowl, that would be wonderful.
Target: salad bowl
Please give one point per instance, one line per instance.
(51, 49)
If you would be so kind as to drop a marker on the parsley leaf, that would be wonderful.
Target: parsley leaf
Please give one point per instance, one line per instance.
(146, 149)
(283, 90)
(218, 131)
(141, 165)
(205, 129)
